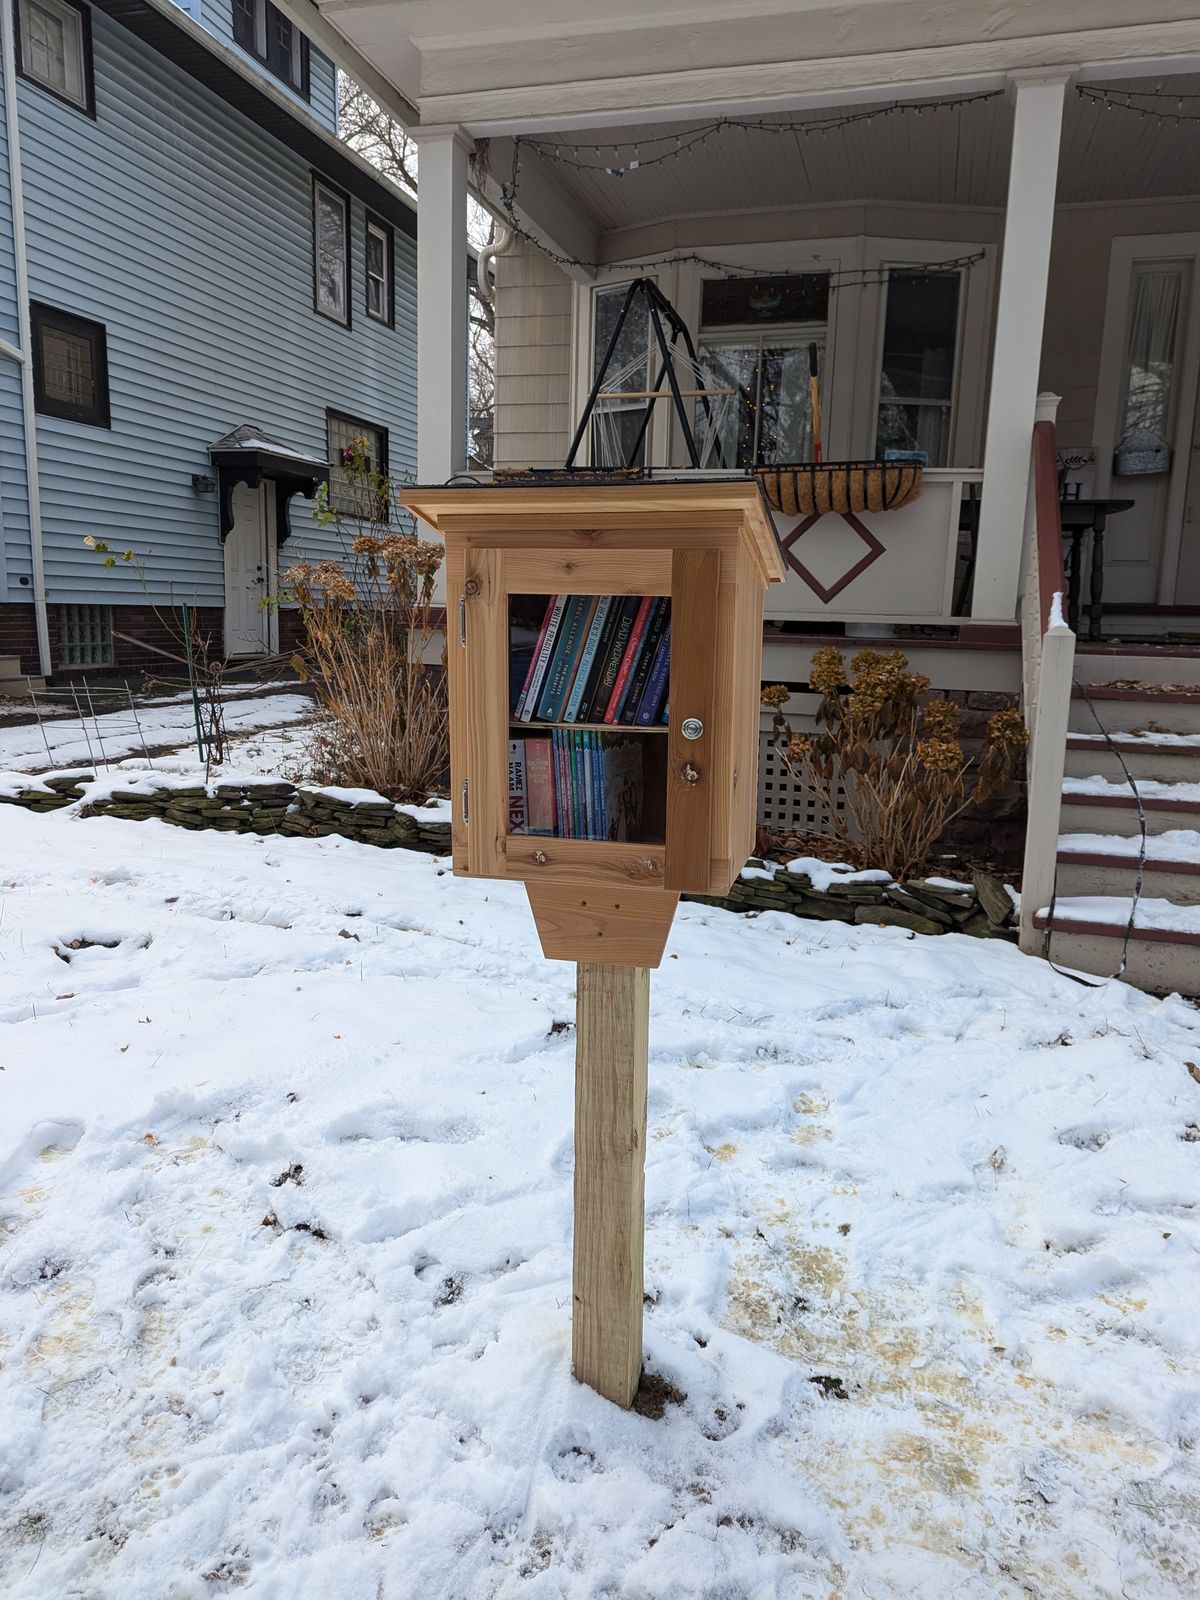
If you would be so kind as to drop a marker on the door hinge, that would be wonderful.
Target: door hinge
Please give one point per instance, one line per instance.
(463, 805)
(462, 620)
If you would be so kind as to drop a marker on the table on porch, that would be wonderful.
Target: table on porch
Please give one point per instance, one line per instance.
(1077, 517)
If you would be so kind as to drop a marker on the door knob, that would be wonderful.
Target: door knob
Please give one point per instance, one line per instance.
(691, 728)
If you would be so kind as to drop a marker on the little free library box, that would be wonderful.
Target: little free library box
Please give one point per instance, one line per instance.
(604, 645)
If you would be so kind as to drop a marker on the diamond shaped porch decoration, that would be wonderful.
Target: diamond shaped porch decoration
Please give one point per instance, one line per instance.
(826, 552)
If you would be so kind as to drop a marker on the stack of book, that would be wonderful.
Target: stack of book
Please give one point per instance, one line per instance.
(575, 784)
(597, 659)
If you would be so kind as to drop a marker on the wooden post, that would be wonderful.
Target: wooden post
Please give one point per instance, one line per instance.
(612, 1029)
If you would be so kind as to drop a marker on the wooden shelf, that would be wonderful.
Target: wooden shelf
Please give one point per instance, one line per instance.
(594, 727)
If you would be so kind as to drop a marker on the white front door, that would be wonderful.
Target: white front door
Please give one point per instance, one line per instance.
(249, 571)
(1149, 370)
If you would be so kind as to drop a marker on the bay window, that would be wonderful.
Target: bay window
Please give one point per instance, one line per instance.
(755, 339)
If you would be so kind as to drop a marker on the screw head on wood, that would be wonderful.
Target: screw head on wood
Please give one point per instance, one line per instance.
(540, 857)
(472, 586)
(689, 773)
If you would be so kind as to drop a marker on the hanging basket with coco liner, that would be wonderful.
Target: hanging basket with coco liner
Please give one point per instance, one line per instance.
(812, 489)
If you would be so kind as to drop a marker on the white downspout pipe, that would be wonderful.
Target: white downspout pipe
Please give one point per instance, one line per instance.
(22, 355)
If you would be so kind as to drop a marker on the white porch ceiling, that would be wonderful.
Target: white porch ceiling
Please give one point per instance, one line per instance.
(940, 158)
(497, 67)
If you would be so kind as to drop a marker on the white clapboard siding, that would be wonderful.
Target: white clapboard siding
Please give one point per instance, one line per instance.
(533, 360)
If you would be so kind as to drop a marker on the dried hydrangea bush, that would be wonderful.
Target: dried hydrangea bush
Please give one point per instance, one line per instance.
(893, 753)
(369, 626)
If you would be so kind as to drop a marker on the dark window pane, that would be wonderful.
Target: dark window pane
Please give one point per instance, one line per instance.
(919, 335)
(245, 30)
(281, 56)
(733, 302)
(331, 254)
(68, 368)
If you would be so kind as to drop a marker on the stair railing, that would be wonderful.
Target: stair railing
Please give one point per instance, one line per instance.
(1047, 671)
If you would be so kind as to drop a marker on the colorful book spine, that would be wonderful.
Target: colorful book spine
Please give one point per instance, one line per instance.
(583, 672)
(626, 614)
(649, 648)
(612, 622)
(562, 663)
(551, 623)
(598, 831)
(539, 784)
(655, 692)
(562, 824)
(578, 810)
(533, 659)
(518, 801)
(629, 658)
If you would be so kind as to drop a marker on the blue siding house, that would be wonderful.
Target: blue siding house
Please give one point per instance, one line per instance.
(214, 296)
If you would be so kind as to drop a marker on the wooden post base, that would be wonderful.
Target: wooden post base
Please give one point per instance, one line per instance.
(612, 1033)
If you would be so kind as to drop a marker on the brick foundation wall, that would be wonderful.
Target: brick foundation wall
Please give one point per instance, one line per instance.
(143, 627)
(18, 635)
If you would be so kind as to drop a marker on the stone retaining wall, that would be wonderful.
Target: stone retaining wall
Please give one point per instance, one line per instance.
(254, 806)
(982, 908)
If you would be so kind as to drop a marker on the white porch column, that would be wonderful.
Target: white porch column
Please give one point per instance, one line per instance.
(1020, 314)
(442, 153)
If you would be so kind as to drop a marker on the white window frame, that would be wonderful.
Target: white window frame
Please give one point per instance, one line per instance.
(75, 87)
(321, 189)
(380, 231)
(852, 368)
(584, 355)
(968, 391)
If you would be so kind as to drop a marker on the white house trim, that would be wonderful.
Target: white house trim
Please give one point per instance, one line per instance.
(1017, 350)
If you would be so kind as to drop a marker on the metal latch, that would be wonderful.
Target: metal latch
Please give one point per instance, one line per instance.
(462, 620)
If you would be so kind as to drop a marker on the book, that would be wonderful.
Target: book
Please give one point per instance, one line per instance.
(629, 657)
(562, 815)
(626, 614)
(612, 621)
(641, 672)
(591, 645)
(622, 788)
(541, 657)
(598, 831)
(518, 813)
(655, 692)
(557, 683)
(539, 786)
(578, 791)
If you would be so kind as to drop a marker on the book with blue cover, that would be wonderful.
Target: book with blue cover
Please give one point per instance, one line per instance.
(587, 657)
(558, 677)
(655, 693)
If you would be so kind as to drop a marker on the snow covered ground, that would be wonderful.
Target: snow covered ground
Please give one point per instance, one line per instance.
(160, 724)
(285, 1184)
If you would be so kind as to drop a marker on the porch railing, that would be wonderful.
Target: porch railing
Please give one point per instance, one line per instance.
(1047, 669)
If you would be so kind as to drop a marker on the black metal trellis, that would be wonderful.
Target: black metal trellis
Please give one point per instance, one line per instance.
(658, 308)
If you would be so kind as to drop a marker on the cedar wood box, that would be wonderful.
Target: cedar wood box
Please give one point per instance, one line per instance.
(708, 544)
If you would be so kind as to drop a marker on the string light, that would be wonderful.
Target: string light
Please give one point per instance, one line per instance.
(850, 279)
(1131, 100)
(671, 146)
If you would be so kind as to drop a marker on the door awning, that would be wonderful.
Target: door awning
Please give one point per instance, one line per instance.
(249, 455)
